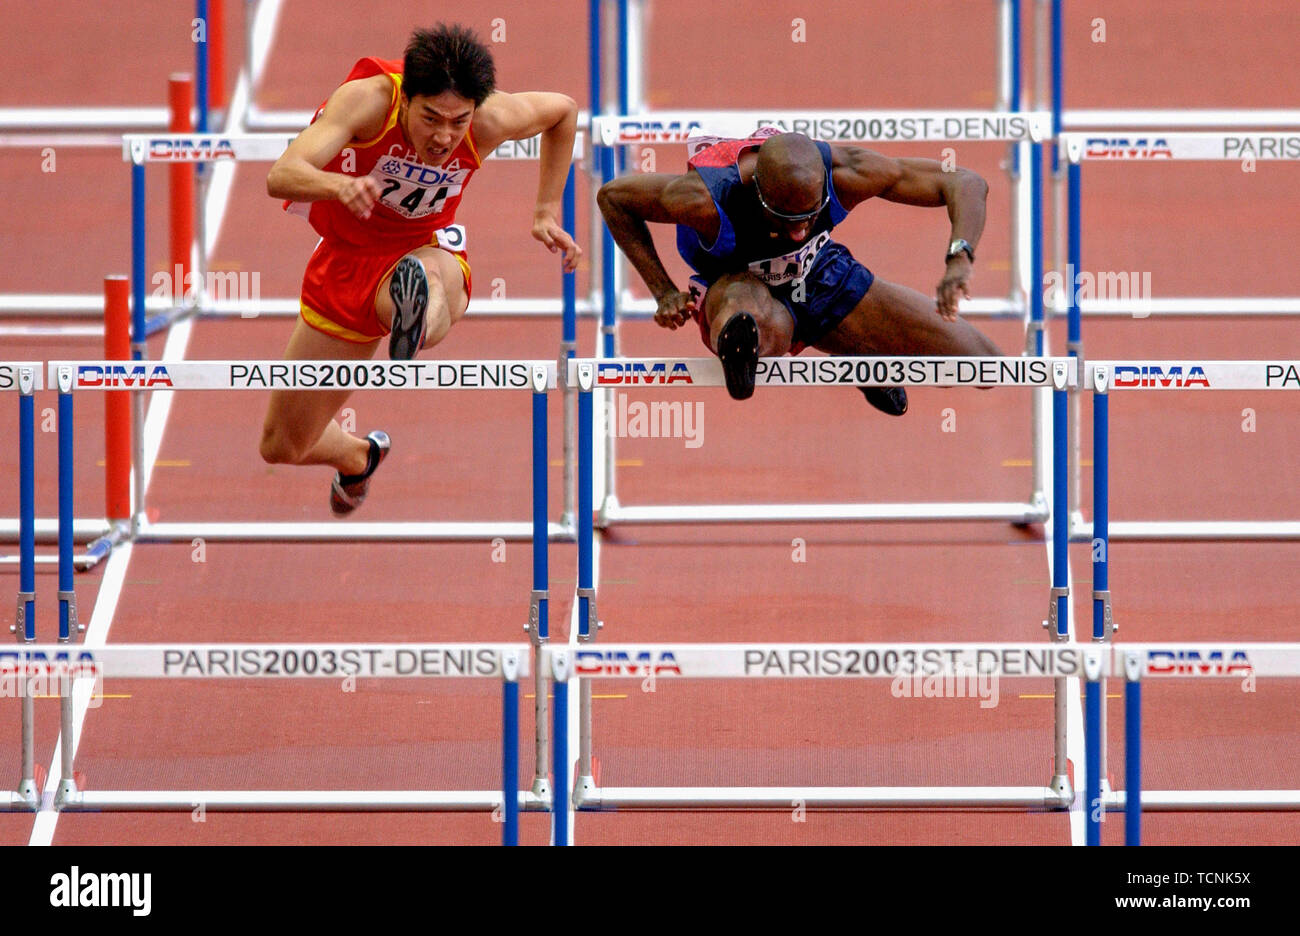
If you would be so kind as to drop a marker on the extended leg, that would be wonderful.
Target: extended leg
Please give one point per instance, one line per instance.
(892, 319)
(299, 428)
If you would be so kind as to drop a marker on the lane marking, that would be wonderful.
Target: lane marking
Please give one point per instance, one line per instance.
(160, 402)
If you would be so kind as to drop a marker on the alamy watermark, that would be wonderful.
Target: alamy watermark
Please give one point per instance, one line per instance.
(79, 888)
(213, 286)
(964, 684)
(658, 419)
(1132, 288)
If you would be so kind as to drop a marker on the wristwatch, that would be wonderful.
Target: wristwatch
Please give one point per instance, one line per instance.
(960, 246)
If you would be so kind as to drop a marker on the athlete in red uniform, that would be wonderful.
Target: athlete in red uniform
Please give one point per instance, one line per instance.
(379, 174)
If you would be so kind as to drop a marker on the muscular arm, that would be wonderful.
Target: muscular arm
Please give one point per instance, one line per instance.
(627, 203)
(519, 117)
(860, 174)
(355, 111)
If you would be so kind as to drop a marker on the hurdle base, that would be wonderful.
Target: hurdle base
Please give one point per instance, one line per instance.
(1209, 530)
(101, 548)
(46, 530)
(1062, 787)
(783, 799)
(294, 801)
(1020, 514)
(25, 799)
(406, 531)
(1209, 800)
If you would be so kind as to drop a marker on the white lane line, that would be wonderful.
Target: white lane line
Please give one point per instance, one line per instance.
(110, 590)
(174, 349)
(222, 179)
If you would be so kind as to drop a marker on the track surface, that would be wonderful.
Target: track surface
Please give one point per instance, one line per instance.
(1199, 230)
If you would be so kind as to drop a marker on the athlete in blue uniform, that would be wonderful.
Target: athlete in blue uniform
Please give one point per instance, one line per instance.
(754, 220)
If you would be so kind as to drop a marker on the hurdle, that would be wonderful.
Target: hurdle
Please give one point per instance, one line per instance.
(1103, 378)
(25, 377)
(71, 666)
(792, 661)
(536, 377)
(798, 661)
(1046, 374)
(141, 149)
(1162, 661)
(1218, 146)
(1023, 129)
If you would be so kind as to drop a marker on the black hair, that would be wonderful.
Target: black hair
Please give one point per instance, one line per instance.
(448, 58)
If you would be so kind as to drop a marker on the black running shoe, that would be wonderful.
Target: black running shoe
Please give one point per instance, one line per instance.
(349, 491)
(891, 400)
(738, 351)
(409, 288)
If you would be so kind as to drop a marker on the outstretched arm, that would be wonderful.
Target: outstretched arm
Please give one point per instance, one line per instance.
(629, 202)
(861, 174)
(519, 117)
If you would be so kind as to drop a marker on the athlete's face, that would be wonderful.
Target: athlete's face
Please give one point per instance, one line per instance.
(791, 210)
(436, 124)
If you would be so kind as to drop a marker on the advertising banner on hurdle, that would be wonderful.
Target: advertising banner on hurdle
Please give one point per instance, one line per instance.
(902, 126)
(21, 376)
(1057, 373)
(832, 661)
(141, 148)
(1154, 146)
(1193, 375)
(305, 375)
(266, 661)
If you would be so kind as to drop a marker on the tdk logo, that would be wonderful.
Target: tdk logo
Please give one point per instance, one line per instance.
(610, 373)
(1152, 375)
(1125, 148)
(621, 663)
(1191, 663)
(185, 149)
(144, 376)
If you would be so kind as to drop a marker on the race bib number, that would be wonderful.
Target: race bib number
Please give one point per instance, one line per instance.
(413, 189)
(792, 267)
